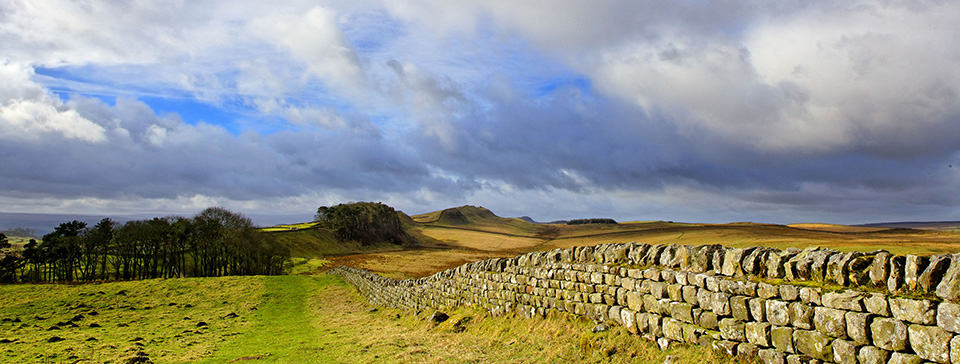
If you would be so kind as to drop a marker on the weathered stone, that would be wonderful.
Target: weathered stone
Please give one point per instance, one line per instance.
(904, 358)
(682, 311)
(916, 311)
(777, 313)
(912, 269)
(858, 327)
(955, 349)
(731, 262)
(771, 356)
(663, 343)
(830, 322)
(895, 279)
(690, 294)
(933, 274)
(731, 329)
(766, 290)
(757, 308)
(844, 352)
(846, 300)
(873, 355)
(789, 292)
(728, 348)
(614, 314)
(654, 326)
(739, 309)
(879, 270)
(712, 284)
(707, 320)
(673, 329)
(674, 292)
(650, 304)
(721, 303)
(889, 334)
(705, 298)
(876, 303)
(758, 333)
(801, 315)
(813, 343)
(859, 272)
(634, 301)
(810, 295)
(930, 342)
(949, 287)
(782, 338)
(628, 319)
(747, 350)
(798, 359)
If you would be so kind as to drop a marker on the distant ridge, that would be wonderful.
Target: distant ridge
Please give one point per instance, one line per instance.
(528, 219)
(928, 225)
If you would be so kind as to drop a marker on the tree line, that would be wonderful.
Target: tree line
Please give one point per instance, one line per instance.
(364, 222)
(591, 221)
(215, 242)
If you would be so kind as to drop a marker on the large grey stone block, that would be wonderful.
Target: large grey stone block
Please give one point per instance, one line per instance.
(889, 334)
(771, 356)
(873, 355)
(782, 338)
(830, 322)
(682, 311)
(777, 313)
(673, 329)
(879, 270)
(757, 309)
(876, 303)
(904, 358)
(858, 328)
(915, 311)
(739, 309)
(814, 344)
(758, 333)
(948, 316)
(847, 300)
(930, 342)
(844, 352)
(732, 329)
(801, 315)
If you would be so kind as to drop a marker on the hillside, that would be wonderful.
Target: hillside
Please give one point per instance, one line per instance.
(449, 237)
(922, 225)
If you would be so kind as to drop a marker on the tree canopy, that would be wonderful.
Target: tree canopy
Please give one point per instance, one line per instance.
(364, 222)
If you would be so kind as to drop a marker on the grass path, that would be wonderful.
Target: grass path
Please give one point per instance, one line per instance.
(321, 319)
(282, 329)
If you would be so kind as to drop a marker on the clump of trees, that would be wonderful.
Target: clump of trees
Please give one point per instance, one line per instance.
(591, 221)
(364, 222)
(215, 242)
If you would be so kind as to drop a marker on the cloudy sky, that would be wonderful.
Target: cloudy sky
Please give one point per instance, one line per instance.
(775, 111)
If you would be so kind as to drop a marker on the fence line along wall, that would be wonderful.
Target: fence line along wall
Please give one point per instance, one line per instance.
(785, 306)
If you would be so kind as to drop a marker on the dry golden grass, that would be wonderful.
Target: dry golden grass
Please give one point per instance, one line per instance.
(472, 239)
(414, 263)
(837, 228)
(453, 246)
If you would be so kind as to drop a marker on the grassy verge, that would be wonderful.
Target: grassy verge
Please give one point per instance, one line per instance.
(322, 320)
(294, 318)
(170, 320)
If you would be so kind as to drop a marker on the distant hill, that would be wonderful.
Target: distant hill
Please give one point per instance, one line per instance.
(528, 219)
(477, 217)
(922, 225)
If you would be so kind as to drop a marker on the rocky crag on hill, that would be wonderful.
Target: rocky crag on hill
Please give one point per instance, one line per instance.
(783, 306)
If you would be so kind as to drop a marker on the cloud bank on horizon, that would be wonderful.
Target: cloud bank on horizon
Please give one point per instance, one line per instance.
(777, 111)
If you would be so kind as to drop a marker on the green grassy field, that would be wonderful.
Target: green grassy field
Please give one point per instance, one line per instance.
(309, 317)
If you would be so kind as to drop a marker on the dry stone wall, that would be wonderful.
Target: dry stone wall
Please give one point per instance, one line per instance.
(784, 306)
